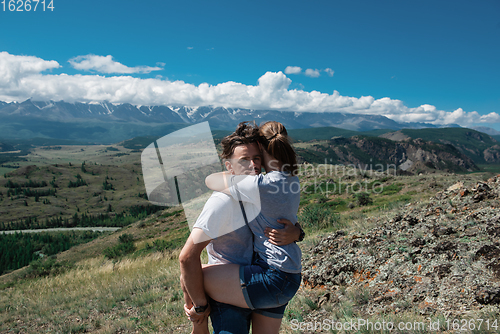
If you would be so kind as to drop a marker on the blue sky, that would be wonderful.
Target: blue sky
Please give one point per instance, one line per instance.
(433, 61)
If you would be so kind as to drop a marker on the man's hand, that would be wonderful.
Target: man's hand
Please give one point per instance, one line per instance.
(284, 236)
(197, 318)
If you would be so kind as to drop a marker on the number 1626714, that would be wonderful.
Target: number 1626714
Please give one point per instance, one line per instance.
(27, 5)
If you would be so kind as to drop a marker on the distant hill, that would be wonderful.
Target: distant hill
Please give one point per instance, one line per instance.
(139, 143)
(6, 147)
(470, 146)
(487, 130)
(480, 147)
(379, 153)
(325, 133)
(63, 190)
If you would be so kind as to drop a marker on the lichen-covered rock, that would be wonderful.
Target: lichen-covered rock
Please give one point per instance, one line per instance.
(441, 255)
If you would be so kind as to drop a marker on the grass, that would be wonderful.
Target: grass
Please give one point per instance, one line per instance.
(490, 168)
(128, 293)
(101, 296)
(5, 170)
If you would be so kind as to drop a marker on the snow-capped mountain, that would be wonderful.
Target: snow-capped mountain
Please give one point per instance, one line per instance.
(219, 117)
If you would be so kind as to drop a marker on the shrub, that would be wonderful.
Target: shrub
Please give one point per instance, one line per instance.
(46, 267)
(124, 247)
(125, 238)
(363, 199)
(317, 217)
(159, 245)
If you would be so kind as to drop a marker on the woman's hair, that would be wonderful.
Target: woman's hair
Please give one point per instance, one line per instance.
(245, 133)
(275, 140)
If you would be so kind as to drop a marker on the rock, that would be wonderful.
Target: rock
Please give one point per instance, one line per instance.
(417, 242)
(488, 252)
(442, 270)
(495, 267)
(444, 247)
(456, 186)
(488, 295)
(323, 299)
(442, 254)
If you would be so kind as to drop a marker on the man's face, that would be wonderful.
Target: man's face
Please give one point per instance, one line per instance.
(246, 160)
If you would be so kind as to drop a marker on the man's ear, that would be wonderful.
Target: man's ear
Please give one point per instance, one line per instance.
(228, 165)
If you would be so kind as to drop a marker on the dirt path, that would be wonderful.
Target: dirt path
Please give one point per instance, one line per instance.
(63, 229)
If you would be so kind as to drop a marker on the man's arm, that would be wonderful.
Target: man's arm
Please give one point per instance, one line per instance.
(191, 269)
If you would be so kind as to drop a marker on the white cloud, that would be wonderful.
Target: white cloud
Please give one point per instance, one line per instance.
(312, 73)
(13, 68)
(293, 70)
(107, 65)
(309, 72)
(23, 77)
(329, 71)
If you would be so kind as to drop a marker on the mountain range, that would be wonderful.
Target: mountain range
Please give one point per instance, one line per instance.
(108, 122)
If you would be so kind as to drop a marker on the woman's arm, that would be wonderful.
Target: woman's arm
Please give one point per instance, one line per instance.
(241, 187)
(218, 182)
(288, 234)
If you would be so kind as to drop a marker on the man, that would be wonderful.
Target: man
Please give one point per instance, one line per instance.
(229, 239)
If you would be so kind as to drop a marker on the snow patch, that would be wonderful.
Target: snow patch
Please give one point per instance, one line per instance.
(191, 111)
(105, 106)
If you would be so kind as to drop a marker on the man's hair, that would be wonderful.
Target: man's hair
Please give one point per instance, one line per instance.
(274, 138)
(245, 133)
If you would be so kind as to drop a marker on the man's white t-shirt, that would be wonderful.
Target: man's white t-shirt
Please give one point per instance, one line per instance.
(222, 220)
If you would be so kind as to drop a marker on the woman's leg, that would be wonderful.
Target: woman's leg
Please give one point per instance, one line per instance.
(265, 325)
(222, 283)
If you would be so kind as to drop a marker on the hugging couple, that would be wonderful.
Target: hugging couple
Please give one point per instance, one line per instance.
(249, 227)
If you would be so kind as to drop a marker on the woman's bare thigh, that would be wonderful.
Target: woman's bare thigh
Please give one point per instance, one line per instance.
(222, 283)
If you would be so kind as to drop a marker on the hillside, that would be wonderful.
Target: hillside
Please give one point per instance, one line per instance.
(326, 133)
(65, 190)
(478, 146)
(139, 143)
(140, 291)
(380, 153)
(85, 291)
(435, 256)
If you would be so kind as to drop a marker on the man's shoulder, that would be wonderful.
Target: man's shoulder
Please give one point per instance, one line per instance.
(219, 201)
(219, 197)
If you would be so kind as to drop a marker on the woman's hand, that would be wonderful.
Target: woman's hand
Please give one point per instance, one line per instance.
(198, 318)
(284, 236)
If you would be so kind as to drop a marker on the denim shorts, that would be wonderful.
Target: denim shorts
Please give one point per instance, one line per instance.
(267, 290)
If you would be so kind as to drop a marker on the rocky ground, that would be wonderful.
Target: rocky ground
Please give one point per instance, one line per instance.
(437, 256)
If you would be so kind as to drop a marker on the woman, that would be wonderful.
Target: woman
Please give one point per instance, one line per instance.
(274, 277)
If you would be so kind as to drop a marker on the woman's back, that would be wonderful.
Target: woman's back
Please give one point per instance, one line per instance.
(278, 196)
